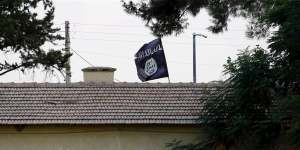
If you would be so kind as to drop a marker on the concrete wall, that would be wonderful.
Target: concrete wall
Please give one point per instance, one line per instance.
(94, 137)
(98, 77)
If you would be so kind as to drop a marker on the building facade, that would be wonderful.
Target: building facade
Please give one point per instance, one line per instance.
(100, 116)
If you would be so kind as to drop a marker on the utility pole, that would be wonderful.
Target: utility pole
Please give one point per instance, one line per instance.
(67, 49)
(194, 55)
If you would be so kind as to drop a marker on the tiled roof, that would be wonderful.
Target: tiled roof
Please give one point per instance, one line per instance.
(91, 103)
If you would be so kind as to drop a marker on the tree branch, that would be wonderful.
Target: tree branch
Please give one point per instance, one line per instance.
(11, 69)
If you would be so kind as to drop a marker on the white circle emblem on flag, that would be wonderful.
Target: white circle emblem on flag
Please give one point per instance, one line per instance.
(150, 67)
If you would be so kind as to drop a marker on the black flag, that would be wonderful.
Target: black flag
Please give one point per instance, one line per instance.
(151, 62)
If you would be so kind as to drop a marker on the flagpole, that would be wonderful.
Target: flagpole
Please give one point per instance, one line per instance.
(166, 61)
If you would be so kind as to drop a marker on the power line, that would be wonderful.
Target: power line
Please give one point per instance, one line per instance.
(168, 41)
(137, 34)
(132, 26)
(107, 25)
(130, 59)
(111, 33)
(107, 40)
(177, 43)
(109, 55)
(82, 57)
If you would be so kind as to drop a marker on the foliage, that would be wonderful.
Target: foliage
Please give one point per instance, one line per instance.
(242, 110)
(23, 32)
(292, 115)
(285, 44)
(250, 84)
(285, 50)
(250, 111)
(165, 17)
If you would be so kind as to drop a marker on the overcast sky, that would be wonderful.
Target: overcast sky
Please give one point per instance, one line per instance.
(105, 35)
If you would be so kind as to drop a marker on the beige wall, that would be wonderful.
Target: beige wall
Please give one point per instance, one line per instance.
(98, 76)
(94, 137)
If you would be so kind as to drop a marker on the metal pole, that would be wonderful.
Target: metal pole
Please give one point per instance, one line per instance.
(194, 58)
(194, 55)
(67, 49)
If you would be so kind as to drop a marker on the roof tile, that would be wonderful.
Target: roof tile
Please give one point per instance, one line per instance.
(92, 103)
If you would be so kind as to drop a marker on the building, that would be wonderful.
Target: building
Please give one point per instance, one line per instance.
(99, 116)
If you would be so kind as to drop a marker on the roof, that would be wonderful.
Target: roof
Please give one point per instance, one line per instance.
(96, 69)
(102, 103)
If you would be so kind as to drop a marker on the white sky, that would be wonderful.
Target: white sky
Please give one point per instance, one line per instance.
(105, 35)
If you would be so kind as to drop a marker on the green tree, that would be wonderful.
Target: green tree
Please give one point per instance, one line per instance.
(165, 17)
(243, 109)
(23, 32)
(245, 113)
